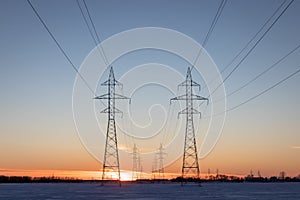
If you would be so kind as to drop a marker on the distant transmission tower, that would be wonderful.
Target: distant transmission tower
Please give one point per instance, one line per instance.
(160, 154)
(140, 167)
(111, 162)
(154, 166)
(135, 163)
(190, 165)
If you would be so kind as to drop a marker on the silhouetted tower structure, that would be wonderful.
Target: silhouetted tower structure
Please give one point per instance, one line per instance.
(258, 174)
(251, 173)
(190, 164)
(135, 162)
(154, 166)
(160, 156)
(140, 167)
(111, 162)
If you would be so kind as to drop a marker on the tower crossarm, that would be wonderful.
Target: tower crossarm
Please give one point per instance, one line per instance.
(190, 83)
(193, 97)
(107, 96)
(185, 111)
(119, 96)
(116, 110)
(114, 82)
(197, 97)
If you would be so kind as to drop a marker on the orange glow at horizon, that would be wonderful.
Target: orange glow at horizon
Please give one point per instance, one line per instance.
(86, 175)
(92, 175)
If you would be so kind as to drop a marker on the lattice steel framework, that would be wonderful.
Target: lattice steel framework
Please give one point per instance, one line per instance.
(135, 163)
(161, 169)
(190, 165)
(111, 164)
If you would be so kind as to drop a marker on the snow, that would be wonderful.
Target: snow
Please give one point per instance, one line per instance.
(74, 191)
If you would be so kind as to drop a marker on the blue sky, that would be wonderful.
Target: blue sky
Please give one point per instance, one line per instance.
(36, 81)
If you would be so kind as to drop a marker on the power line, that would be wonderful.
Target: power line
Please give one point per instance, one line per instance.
(262, 73)
(60, 47)
(282, 12)
(216, 18)
(259, 94)
(250, 41)
(211, 28)
(266, 90)
(95, 39)
(265, 71)
(86, 22)
(97, 35)
(254, 36)
(256, 43)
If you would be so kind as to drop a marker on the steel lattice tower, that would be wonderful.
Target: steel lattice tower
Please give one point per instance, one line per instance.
(135, 160)
(154, 165)
(190, 165)
(111, 162)
(160, 154)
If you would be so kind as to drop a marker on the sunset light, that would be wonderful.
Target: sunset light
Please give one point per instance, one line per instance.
(112, 99)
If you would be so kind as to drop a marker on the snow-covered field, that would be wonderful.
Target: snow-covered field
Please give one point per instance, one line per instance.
(74, 191)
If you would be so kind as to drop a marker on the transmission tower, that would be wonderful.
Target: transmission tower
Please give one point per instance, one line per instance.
(258, 174)
(111, 162)
(140, 167)
(190, 165)
(135, 163)
(160, 156)
(154, 166)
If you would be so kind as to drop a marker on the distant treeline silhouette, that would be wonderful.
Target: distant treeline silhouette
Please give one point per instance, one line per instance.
(248, 178)
(217, 178)
(28, 179)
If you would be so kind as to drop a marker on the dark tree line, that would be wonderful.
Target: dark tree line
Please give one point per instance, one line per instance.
(28, 179)
(217, 178)
(248, 178)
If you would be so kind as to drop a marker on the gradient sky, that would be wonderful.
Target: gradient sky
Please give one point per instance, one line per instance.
(37, 130)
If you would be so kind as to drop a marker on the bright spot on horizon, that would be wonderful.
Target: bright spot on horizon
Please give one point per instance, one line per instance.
(125, 175)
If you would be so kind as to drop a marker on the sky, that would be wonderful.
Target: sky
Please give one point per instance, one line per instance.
(37, 126)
